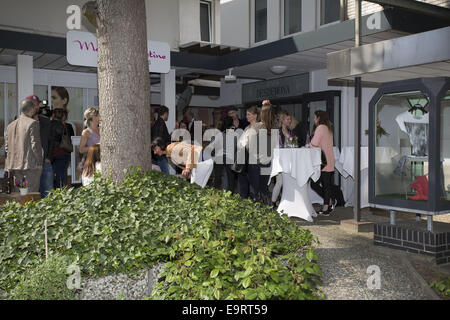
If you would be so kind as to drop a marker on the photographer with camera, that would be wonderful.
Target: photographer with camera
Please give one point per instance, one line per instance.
(41, 112)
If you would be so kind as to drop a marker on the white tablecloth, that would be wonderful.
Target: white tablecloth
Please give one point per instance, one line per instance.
(201, 174)
(297, 165)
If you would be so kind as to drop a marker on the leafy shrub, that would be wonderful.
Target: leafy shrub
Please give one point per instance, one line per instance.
(217, 245)
(442, 286)
(45, 282)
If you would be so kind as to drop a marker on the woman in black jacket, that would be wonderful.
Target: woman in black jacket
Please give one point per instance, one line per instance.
(291, 127)
(61, 157)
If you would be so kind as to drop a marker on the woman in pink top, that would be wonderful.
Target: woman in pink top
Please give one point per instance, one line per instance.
(323, 139)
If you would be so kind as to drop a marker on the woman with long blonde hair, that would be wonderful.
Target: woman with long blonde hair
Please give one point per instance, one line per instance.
(90, 135)
(291, 128)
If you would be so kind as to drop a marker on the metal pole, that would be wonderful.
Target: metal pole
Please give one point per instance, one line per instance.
(45, 239)
(392, 217)
(430, 223)
(357, 141)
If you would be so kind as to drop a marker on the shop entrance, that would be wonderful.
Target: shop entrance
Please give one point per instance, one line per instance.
(303, 107)
(329, 101)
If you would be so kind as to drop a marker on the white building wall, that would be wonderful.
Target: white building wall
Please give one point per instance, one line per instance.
(273, 20)
(237, 18)
(189, 13)
(162, 21)
(308, 15)
(47, 17)
(171, 21)
(235, 23)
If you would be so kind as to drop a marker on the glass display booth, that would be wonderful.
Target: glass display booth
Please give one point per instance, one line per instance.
(409, 147)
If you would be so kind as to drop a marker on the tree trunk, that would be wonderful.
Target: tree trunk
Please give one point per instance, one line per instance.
(124, 87)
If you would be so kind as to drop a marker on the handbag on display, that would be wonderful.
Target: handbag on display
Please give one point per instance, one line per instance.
(66, 141)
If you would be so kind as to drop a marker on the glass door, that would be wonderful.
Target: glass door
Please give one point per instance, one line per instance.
(329, 101)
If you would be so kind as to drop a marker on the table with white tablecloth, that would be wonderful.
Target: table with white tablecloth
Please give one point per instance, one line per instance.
(297, 165)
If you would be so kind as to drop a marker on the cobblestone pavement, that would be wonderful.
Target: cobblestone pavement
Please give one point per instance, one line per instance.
(345, 258)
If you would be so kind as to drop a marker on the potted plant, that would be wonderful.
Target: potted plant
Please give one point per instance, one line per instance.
(23, 186)
(380, 131)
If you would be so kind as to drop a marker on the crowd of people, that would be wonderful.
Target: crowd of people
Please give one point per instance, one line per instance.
(250, 178)
(38, 147)
(38, 143)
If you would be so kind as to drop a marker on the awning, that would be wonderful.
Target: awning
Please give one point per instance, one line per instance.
(419, 55)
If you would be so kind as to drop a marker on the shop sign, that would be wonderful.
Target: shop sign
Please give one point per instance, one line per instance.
(275, 88)
(82, 51)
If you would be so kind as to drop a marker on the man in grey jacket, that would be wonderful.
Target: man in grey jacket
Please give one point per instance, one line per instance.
(23, 147)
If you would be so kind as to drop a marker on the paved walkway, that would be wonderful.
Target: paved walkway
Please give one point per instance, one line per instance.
(345, 258)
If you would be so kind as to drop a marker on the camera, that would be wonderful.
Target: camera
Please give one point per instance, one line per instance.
(44, 109)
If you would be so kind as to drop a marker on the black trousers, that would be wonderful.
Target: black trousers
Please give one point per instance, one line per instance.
(323, 186)
(252, 182)
(230, 176)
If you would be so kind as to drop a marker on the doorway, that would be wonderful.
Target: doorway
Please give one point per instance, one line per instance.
(329, 101)
(303, 107)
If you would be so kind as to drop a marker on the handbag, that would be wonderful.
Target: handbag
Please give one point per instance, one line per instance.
(66, 142)
(239, 167)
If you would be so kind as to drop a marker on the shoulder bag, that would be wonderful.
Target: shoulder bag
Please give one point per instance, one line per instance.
(66, 141)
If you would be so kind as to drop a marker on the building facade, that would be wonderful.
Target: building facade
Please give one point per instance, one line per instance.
(277, 48)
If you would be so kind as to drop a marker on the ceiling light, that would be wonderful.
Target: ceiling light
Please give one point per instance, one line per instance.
(278, 69)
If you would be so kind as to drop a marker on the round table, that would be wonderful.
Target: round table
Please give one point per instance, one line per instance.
(297, 165)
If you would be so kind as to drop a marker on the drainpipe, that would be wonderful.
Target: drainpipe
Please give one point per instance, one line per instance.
(357, 141)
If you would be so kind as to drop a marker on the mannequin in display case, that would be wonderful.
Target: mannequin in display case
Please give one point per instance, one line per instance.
(416, 127)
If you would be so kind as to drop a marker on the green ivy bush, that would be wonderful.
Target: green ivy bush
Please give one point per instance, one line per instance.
(217, 245)
(45, 282)
(443, 286)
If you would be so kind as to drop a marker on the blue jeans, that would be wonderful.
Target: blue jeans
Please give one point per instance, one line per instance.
(162, 162)
(60, 164)
(46, 183)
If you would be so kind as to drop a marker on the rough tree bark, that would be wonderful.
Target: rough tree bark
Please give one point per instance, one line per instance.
(124, 86)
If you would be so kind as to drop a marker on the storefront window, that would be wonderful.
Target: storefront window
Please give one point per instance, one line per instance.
(445, 147)
(292, 16)
(330, 11)
(12, 102)
(260, 20)
(401, 146)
